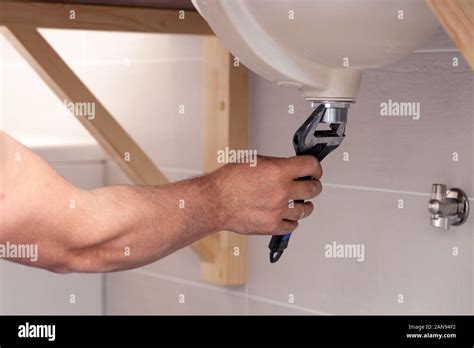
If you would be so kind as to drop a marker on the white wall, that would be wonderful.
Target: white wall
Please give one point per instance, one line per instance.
(390, 159)
(142, 80)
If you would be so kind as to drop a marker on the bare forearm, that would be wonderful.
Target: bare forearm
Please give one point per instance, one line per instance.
(131, 226)
(121, 227)
(108, 229)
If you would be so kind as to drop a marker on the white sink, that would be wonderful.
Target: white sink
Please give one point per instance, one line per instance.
(318, 46)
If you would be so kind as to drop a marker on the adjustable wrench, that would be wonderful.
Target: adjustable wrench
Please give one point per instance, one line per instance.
(319, 143)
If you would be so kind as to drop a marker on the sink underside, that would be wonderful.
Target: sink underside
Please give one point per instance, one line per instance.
(319, 46)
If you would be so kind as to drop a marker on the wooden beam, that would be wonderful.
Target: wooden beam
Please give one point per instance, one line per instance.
(169, 4)
(108, 18)
(224, 125)
(457, 18)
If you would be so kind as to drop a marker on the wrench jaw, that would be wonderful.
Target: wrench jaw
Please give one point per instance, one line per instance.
(308, 140)
(303, 138)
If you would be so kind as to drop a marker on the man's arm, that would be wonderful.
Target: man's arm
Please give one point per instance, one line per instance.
(89, 231)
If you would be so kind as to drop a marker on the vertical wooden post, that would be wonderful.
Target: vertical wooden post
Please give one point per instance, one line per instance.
(224, 125)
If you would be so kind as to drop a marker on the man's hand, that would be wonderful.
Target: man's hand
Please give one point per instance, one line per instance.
(262, 199)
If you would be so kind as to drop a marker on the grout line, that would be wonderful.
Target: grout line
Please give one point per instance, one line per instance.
(103, 294)
(437, 50)
(225, 291)
(76, 163)
(189, 171)
(126, 62)
(179, 170)
(193, 172)
(349, 187)
(246, 288)
(376, 189)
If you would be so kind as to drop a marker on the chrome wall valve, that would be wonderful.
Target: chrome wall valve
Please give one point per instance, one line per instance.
(448, 207)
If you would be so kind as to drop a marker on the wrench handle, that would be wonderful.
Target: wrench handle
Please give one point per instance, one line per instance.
(279, 243)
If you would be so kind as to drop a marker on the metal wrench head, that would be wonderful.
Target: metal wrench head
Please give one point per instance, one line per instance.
(308, 140)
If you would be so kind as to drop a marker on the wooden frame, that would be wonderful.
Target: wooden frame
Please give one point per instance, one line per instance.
(225, 99)
(109, 18)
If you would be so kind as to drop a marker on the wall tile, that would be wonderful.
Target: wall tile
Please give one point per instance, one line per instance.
(264, 308)
(98, 47)
(134, 293)
(31, 291)
(145, 100)
(153, 294)
(162, 72)
(439, 41)
(87, 176)
(34, 111)
(403, 254)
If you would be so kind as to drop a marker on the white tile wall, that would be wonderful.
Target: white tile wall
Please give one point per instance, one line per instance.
(29, 108)
(390, 159)
(403, 254)
(142, 80)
